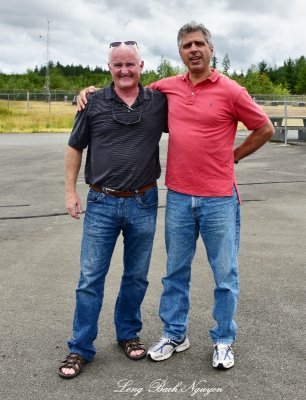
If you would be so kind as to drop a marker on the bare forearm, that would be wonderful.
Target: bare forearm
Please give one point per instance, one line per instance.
(254, 141)
(73, 164)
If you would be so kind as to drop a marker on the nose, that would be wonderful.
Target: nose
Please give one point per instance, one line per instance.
(193, 47)
(124, 69)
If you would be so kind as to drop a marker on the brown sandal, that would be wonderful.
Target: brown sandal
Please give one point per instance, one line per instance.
(132, 345)
(73, 361)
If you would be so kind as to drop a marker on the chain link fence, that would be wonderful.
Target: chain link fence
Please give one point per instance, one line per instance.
(287, 112)
(37, 111)
(280, 99)
(11, 96)
(28, 99)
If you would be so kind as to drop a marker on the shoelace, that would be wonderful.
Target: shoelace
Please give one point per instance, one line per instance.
(161, 343)
(223, 350)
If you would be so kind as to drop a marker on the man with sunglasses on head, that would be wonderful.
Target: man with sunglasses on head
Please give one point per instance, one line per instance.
(121, 128)
(202, 197)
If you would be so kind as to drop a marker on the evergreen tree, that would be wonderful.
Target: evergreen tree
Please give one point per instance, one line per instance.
(165, 69)
(289, 77)
(259, 83)
(214, 61)
(263, 68)
(300, 85)
(289, 72)
(148, 77)
(226, 64)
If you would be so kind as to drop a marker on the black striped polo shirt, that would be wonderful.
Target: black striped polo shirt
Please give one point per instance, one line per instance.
(122, 142)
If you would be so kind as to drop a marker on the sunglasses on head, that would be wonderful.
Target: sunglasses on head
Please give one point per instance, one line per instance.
(127, 42)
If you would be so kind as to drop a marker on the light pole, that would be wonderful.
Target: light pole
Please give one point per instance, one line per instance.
(47, 77)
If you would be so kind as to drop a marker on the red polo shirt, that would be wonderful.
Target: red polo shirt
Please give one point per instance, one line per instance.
(202, 121)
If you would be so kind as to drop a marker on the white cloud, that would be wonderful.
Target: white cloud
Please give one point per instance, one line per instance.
(80, 30)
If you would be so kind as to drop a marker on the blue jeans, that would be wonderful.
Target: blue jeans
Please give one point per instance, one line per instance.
(107, 216)
(217, 220)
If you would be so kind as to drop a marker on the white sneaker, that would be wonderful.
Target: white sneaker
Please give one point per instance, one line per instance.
(164, 348)
(223, 357)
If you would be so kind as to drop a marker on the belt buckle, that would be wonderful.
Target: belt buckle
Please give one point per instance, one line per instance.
(109, 191)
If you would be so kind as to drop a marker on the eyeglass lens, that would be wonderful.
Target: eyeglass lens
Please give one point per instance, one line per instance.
(127, 42)
(126, 115)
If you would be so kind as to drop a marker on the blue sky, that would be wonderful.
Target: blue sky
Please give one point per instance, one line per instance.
(80, 30)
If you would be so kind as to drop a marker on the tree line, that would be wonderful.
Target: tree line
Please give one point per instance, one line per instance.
(289, 78)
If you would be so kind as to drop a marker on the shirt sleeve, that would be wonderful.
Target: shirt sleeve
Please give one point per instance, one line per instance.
(79, 137)
(249, 112)
(161, 85)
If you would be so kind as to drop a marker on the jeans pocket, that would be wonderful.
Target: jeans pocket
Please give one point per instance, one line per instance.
(94, 196)
(149, 199)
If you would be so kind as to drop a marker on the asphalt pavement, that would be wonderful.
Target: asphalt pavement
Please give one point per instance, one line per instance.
(39, 270)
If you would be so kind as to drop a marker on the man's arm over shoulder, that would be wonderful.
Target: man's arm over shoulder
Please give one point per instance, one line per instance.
(163, 85)
(82, 97)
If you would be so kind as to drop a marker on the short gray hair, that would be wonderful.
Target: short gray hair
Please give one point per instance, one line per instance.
(191, 27)
(133, 47)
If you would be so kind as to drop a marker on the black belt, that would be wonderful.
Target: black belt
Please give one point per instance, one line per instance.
(121, 193)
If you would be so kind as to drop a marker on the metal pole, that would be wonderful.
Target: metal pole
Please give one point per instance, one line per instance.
(47, 78)
(286, 126)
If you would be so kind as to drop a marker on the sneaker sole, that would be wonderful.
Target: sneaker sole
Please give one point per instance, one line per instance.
(178, 349)
(222, 366)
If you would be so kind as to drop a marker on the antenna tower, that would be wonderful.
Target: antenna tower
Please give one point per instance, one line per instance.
(47, 78)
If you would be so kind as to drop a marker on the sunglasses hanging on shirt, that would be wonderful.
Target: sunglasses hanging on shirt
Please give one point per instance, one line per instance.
(125, 114)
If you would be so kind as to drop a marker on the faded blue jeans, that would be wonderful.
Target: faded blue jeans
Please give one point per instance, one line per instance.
(217, 220)
(107, 216)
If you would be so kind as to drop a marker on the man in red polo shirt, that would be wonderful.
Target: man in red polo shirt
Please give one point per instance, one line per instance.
(204, 109)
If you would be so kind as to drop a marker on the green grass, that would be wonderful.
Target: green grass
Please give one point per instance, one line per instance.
(20, 116)
(39, 116)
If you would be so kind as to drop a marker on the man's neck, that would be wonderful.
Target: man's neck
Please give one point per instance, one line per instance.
(127, 95)
(199, 77)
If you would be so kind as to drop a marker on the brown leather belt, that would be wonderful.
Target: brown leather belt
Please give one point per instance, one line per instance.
(119, 193)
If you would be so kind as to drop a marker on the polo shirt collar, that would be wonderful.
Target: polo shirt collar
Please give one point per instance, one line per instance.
(213, 77)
